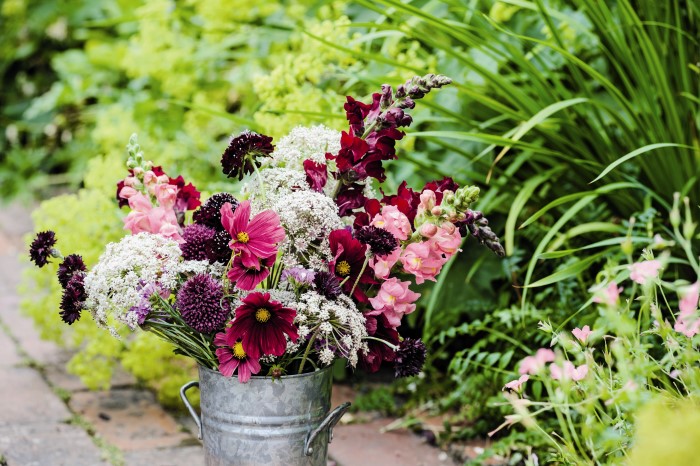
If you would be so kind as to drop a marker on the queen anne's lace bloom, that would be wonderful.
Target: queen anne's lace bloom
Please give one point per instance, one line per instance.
(113, 286)
(305, 144)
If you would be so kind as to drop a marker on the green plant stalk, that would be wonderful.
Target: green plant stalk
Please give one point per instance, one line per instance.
(308, 349)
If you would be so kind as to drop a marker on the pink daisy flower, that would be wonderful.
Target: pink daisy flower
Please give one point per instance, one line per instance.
(247, 278)
(252, 239)
(232, 358)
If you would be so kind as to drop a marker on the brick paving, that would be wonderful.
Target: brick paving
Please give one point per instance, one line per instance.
(48, 417)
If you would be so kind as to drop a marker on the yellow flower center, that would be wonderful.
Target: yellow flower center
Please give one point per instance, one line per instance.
(243, 237)
(342, 268)
(262, 315)
(238, 351)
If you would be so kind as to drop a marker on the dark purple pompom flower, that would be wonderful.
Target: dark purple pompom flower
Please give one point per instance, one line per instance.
(202, 305)
(42, 249)
(242, 151)
(196, 238)
(380, 241)
(409, 358)
(209, 214)
(73, 298)
(327, 285)
(218, 249)
(71, 264)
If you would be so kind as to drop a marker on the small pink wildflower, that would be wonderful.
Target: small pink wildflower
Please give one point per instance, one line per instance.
(568, 371)
(582, 334)
(688, 322)
(610, 296)
(533, 364)
(642, 272)
(516, 385)
(393, 221)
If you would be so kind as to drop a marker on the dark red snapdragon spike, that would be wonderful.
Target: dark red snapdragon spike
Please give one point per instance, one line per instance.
(357, 112)
(187, 194)
(438, 187)
(378, 327)
(349, 198)
(316, 175)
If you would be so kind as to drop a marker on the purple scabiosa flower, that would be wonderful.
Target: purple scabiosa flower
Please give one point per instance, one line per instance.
(242, 151)
(202, 305)
(327, 285)
(71, 265)
(299, 275)
(209, 214)
(409, 358)
(42, 248)
(196, 238)
(380, 241)
(73, 298)
(217, 248)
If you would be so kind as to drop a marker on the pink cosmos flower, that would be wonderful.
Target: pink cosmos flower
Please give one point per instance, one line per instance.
(516, 385)
(232, 358)
(642, 272)
(382, 264)
(420, 260)
(394, 299)
(247, 278)
(146, 218)
(610, 296)
(582, 334)
(393, 221)
(252, 239)
(568, 371)
(446, 240)
(533, 364)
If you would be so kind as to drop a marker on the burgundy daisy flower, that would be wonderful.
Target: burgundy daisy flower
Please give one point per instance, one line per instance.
(42, 249)
(71, 265)
(247, 278)
(349, 257)
(233, 357)
(217, 249)
(327, 285)
(380, 241)
(242, 151)
(261, 324)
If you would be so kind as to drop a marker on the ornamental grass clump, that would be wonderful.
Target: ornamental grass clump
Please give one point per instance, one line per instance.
(306, 266)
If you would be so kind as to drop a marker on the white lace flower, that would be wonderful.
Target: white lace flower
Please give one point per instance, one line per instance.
(305, 143)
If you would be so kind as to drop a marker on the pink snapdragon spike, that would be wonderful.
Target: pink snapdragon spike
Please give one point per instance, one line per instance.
(642, 272)
(232, 358)
(165, 194)
(394, 300)
(516, 385)
(688, 322)
(421, 260)
(146, 218)
(582, 334)
(610, 296)
(568, 372)
(393, 221)
(446, 240)
(382, 264)
(254, 239)
(427, 202)
(533, 364)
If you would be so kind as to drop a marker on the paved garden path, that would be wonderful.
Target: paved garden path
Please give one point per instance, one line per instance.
(48, 418)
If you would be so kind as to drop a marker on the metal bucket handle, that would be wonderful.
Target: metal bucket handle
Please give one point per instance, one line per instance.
(193, 413)
(328, 423)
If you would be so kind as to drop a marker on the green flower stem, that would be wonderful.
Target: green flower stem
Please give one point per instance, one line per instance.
(260, 179)
(364, 266)
(308, 349)
(394, 347)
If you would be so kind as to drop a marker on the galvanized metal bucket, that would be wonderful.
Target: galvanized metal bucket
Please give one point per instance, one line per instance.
(285, 421)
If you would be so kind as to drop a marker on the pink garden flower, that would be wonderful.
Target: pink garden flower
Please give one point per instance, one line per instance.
(609, 296)
(642, 272)
(166, 194)
(516, 385)
(382, 264)
(568, 371)
(232, 358)
(247, 278)
(688, 322)
(427, 202)
(393, 221)
(582, 334)
(254, 239)
(533, 364)
(146, 218)
(420, 260)
(446, 240)
(394, 299)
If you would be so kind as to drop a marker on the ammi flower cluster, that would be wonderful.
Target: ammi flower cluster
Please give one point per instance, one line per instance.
(305, 266)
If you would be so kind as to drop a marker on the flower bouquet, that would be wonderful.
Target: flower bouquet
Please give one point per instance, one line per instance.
(307, 265)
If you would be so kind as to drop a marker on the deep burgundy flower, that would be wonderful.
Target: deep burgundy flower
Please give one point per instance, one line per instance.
(247, 278)
(196, 238)
(187, 195)
(316, 174)
(243, 150)
(380, 241)
(210, 213)
(378, 327)
(438, 187)
(356, 112)
(348, 260)
(409, 358)
(233, 357)
(72, 264)
(327, 285)
(201, 303)
(73, 298)
(349, 198)
(42, 249)
(123, 202)
(406, 200)
(217, 249)
(262, 324)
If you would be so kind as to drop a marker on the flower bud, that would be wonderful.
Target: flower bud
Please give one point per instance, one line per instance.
(428, 230)
(437, 210)
(675, 216)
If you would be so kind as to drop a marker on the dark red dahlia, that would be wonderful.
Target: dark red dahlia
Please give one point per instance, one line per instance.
(262, 324)
(71, 265)
(201, 303)
(196, 237)
(73, 298)
(348, 261)
(209, 214)
(240, 156)
(379, 328)
(42, 248)
(409, 358)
